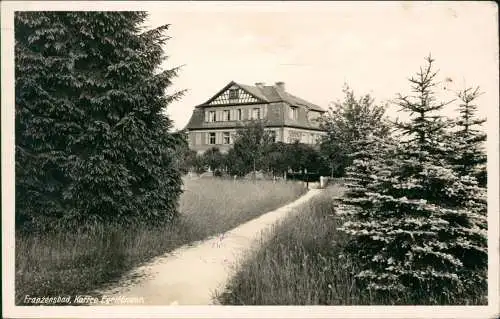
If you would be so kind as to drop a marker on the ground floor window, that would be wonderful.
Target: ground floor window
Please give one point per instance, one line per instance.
(272, 134)
(211, 138)
(226, 138)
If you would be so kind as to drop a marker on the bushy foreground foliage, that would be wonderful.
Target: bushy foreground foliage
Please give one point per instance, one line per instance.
(255, 149)
(92, 143)
(417, 225)
(302, 260)
(345, 123)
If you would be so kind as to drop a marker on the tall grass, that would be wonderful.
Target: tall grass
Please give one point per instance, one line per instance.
(72, 263)
(301, 261)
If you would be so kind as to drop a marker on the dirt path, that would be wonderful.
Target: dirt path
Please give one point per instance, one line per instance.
(191, 274)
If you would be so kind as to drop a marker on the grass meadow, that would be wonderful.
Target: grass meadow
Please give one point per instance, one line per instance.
(301, 262)
(72, 263)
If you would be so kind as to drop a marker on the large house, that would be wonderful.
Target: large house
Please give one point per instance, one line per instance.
(290, 118)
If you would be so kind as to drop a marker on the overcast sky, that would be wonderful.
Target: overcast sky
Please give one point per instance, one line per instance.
(315, 47)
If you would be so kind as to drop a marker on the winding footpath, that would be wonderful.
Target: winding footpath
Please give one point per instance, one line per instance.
(191, 274)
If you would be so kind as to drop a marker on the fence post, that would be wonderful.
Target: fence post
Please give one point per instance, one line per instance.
(307, 178)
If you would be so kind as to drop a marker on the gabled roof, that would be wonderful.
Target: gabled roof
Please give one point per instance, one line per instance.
(249, 89)
(294, 100)
(253, 91)
(268, 94)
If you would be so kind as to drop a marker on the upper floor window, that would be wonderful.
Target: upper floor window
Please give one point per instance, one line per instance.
(197, 138)
(256, 114)
(226, 138)
(238, 114)
(312, 116)
(293, 112)
(226, 115)
(211, 116)
(234, 94)
(211, 138)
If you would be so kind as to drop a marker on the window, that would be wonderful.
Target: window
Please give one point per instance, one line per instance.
(211, 138)
(226, 138)
(272, 134)
(303, 138)
(312, 116)
(226, 115)
(294, 136)
(233, 94)
(293, 113)
(211, 116)
(238, 114)
(255, 114)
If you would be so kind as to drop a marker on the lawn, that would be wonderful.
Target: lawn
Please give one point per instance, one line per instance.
(71, 263)
(302, 262)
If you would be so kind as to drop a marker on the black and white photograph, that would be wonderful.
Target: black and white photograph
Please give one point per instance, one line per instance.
(177, 159)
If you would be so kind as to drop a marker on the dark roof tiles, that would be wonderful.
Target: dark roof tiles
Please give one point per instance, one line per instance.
(270, 94)
(254, 91)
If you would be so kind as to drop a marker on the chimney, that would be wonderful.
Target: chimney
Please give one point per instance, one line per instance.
(280, 86)
(260, 85)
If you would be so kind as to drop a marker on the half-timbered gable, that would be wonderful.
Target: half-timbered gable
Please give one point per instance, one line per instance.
(235, 95)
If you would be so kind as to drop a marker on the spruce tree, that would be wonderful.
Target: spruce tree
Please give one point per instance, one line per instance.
(413, 229)
(468, 156)
(92, 143)
(369, 168)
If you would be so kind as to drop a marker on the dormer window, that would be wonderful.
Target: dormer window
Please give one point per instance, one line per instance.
(234, 94)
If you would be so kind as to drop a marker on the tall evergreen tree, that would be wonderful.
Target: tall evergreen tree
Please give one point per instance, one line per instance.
(468, 155)
(412, 226)
(370, 164)
(184, 156)
(92, 144)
